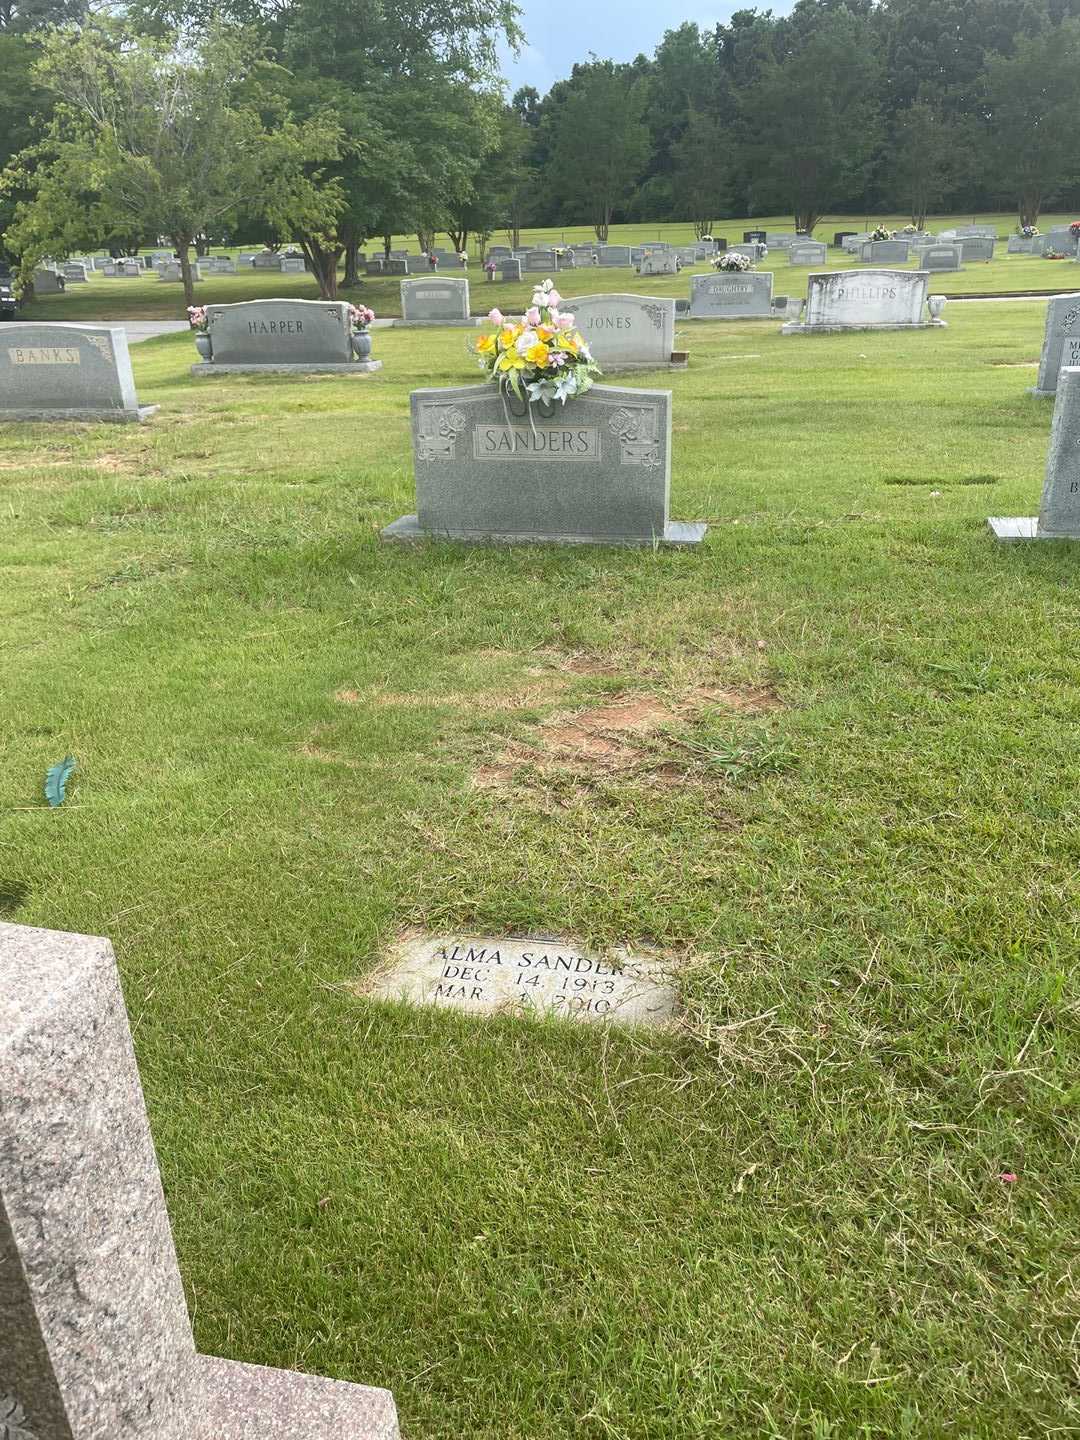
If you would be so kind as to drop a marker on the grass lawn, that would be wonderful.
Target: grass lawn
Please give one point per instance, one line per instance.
(855, 833)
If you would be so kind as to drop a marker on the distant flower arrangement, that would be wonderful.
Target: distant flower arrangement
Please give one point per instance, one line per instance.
(910, 230)
(541, 358)
(360, 317)
(1074, 228)
(196, 315)
(1053, 255)
(882, 232)
(732, 260)
(1029, 232)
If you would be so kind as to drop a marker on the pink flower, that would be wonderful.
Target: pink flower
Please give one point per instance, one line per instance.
(1007, 1177)
(495, 316)
(566, 322)
(532, 316)
(553, 298)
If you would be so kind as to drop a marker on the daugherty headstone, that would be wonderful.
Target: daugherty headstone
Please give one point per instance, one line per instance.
(95, 1342)
(1059, 512)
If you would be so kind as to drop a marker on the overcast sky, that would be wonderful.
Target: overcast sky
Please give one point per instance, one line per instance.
(557, 35)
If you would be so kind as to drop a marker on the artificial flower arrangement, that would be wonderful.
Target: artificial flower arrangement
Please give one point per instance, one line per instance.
(1053, 255)
(360, 317)
(196, 315)
(540, 358)
(1029, 232)
(910, 230)
(882, 232)
(1074, 228)
(463, 259)
(732, 260)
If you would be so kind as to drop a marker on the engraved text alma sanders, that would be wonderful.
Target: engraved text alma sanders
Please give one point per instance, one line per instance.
(557, 442)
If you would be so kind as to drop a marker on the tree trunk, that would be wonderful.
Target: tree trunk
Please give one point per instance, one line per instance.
(805, 222)
(1030, 205)
(458, 239)
(352, 249)
(202, 246)
(324, 263)
(182, 246)
(603, 224)
(513, 234)
(387, 241)
(702, 227)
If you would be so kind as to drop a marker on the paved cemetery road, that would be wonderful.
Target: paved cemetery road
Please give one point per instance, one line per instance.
(139, 329)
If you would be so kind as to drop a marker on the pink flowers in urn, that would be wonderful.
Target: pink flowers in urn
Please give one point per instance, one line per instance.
(360, 317)
(196, 315)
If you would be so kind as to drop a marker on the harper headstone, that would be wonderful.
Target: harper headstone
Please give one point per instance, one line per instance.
(597, 471)
(95, 1340)
(1061, 341)
(1059, 512)
(435, 300)
(864, 300)
(281, 335)
(67, 372)
(488, 975)
(626, 332)
(731, 295)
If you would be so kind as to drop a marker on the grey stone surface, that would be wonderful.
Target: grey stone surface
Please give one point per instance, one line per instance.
(614, 255)
(1061, 341)
(596, 471)
(67, 372)
(1059, 512)
(543, 260)
(266, 262)
(808, 252)
(293, 265)
(95, 1342)
(863, 300)
(169, 271)
(508, 269)
(280, 332)
(660, 262)
(1061, 238)
(75, 273)
(435, 300)
(1024, 245)
(626, 332)
(731, 295)
(752, 249)
(884, 252)
(854, 240)
(48, 282)
(492, 975)
(976, 247)
(941, 257)
(405, 265)
(356, 367)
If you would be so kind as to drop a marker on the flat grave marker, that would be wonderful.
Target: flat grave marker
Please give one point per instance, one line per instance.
(489, 975)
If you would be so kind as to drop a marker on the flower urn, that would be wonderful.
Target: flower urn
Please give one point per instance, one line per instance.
(204, 344)
(936, 304)
(361, 344)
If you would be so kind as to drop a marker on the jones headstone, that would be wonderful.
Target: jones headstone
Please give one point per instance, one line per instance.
(67, 372)
(626, 332)
(1061, 341)
(863, 300)
(435, 300)
(489, 976)
(94, 1330)
(1059, 513)
(731, 294)
(597, 471)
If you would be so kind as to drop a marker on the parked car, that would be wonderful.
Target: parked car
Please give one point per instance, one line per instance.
(8, 304)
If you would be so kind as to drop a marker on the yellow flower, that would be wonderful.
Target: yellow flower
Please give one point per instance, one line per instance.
(508, 336)
(510, 360)
(537, 354)
(570, 340)
(486, 344)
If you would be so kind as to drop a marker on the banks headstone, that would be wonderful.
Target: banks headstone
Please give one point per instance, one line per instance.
(67, 372)
(597, 471)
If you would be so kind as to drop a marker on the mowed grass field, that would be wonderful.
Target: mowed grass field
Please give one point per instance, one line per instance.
(848, 817)
(155, 299)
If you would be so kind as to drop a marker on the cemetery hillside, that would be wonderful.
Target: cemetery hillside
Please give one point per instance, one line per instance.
(538, 804)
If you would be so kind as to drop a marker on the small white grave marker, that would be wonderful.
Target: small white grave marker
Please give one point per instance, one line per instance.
(486, 975)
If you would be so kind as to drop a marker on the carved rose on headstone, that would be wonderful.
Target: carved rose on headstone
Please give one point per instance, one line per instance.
(13, 1420)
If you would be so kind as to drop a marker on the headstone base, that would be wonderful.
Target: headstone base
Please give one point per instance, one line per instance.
(252, 1402)
(470, 324)
(1021, 527)
(347, 367)
(1042, 394)
(86, 417)
(793, 328)
(678, 360)
(677, 533)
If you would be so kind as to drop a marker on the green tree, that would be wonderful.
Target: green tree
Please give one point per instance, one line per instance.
(812, 119)
(151, 137)
(702, 175)
(599, 141)
(926, 153)
(1030, 117)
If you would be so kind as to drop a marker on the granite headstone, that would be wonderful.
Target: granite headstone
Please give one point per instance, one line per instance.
(1059, 512)
(626, 332)
(67, 372)
(1061, 341)
(731, 295)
